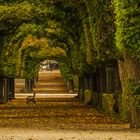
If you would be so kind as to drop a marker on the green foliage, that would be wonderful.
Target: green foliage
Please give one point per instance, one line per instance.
(62, 32)
(80, 33)
(133, 86)
(101, 21)
(18, 21)
(66, 71)
(30, 69)
(11, 16)
(128, 27)
(137, 102)
(124, 107)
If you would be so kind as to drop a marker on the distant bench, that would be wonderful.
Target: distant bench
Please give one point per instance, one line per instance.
(31, 99)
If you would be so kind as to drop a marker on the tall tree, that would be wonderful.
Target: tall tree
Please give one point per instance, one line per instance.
(127, 42)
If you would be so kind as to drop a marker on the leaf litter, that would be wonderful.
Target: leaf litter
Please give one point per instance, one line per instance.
(55, 114)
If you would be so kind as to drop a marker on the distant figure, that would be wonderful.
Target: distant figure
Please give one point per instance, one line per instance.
(51, 66)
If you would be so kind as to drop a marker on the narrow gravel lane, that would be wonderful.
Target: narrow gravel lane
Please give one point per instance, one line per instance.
(58, 118)
(39, 134)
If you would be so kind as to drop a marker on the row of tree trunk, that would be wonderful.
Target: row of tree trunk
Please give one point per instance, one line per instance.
(7, 88)
(113, 80)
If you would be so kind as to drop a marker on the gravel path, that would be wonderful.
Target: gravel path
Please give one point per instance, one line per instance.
(59, 119)
(34, 134)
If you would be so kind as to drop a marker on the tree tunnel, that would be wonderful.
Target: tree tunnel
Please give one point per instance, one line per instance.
(95, 40)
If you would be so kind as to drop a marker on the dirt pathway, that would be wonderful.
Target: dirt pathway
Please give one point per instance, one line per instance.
(55, 114)
(36, 134)
(64, 119)
(59, 118)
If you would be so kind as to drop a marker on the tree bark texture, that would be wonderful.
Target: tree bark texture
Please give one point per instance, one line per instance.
(129, 69)
(117, 89)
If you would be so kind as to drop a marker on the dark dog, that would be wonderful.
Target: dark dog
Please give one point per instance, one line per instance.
(31, 99)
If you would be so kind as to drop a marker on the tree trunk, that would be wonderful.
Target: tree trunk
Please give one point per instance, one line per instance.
(1, 89)
(71, 86)
(129, 69)
(28, 85)
(117, 89)
(81, 88)
(86, 82)
(5, 90)
(103, 81)
(79, 85)
(11, 85)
